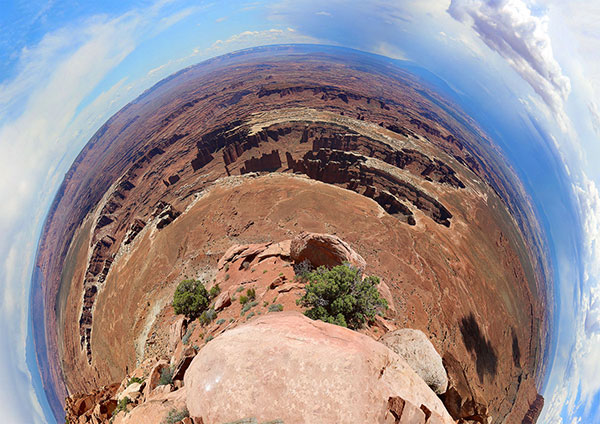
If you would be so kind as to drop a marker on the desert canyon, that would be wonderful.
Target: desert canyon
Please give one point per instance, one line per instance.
(235, 171)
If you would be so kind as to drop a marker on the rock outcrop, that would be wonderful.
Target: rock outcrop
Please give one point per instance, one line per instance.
(94, 407)
(535, 409)
(267, 162)
(324, 250)
(251, 373)
(346, 377)
(462, 400)
(416, 349)
(370, 178)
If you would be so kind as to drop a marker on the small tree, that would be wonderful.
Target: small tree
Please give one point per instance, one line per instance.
(190, 299)
(341, 296)
(214, 291)
(166, 376)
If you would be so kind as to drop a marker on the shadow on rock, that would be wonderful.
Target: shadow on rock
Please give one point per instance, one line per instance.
(515, 349)
(475, 342)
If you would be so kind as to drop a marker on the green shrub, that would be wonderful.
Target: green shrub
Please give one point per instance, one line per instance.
(248, 306)
(221, 321)
(214, 291)
(190, 299)
(341, 296)
(251, 293)
(188, 333)
(302, 269)
(207, 316)
(166, 376)
(175, 416)
(244, 299)
(134, 380)
(276, 307)
(209, 338)
(122, 405)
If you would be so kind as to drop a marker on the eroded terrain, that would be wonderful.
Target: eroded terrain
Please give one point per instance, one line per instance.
(258, 146)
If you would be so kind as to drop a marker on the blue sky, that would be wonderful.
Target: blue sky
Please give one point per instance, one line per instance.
(529, 72)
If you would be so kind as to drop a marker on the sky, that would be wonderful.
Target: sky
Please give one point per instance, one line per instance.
(527, 71)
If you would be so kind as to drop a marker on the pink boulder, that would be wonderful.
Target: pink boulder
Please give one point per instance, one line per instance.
(287, 367)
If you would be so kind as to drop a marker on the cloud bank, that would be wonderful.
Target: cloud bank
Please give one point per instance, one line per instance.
(510, 28)
(522, 37)
(44, 122)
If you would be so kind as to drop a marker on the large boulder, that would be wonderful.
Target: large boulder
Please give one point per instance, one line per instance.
(132, 391)
(416, 349)
(287, 367)
(324, 249)
(223, 300)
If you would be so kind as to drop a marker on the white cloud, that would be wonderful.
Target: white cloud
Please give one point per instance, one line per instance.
(249, 38)
(594, 116)
(587, 350)
(41, 130)
(577, 358)
(389, 50)
(510, 28)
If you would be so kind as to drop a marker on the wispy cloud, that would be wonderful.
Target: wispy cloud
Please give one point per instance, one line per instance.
(256, 38)
(510, 28)
(42, 127)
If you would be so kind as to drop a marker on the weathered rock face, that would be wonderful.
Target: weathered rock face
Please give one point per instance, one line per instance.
(535, 409)
(416, 349)
(324, 250)
(176, 332)
(253, 371)
(462, 399)
(267, 162)
(133, 391)
(155, 410)
(97, 405)
(154, 377)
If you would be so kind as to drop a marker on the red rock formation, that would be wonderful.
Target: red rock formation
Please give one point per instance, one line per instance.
(350, 170)
(134, 229)
(535, 409)
(324, 250)
(267, 162)
(166, 215)
(95, 407)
